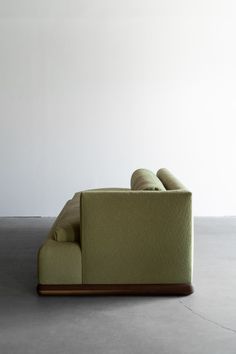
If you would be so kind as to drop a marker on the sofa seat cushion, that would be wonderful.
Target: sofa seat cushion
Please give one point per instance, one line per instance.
(67, 232)
(67, 225)
(60, 263)
(143, 179)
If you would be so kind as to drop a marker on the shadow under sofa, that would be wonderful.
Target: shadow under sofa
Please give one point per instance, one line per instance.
(121, 241)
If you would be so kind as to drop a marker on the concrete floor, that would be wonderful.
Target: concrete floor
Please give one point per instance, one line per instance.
(204, 322)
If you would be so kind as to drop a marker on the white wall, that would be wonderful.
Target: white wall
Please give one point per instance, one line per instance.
(92, 89)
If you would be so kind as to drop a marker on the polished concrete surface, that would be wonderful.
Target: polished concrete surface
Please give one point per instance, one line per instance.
(202, 323)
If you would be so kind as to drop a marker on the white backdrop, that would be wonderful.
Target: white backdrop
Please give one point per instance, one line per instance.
(91, 90)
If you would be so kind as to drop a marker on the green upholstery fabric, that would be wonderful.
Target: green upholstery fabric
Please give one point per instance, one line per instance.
(136, 237)
(66, 233)
(143, 179)
(121, 236)
(169, 180)
(59, 263)
(67, 225)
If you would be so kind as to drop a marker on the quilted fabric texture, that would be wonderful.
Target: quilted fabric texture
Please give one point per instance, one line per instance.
(136, 237)
(143, 179)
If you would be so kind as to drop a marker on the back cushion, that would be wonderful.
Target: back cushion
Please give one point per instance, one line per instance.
(169, 180)
(143, 179)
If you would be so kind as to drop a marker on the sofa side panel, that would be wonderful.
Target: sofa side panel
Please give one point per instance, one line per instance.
(136, 237)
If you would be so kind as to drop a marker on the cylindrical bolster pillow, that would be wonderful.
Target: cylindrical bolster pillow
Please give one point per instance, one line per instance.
(169, 180)
(143, 179)
(67, 232)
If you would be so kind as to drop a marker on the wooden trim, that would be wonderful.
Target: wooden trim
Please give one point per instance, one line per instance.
(116, 289)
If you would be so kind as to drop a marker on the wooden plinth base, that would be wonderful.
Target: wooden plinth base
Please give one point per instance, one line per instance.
(116, 289)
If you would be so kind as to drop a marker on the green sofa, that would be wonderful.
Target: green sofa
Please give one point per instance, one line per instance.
(121, 241)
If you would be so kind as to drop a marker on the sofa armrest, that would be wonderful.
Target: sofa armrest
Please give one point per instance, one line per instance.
(136, 237)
